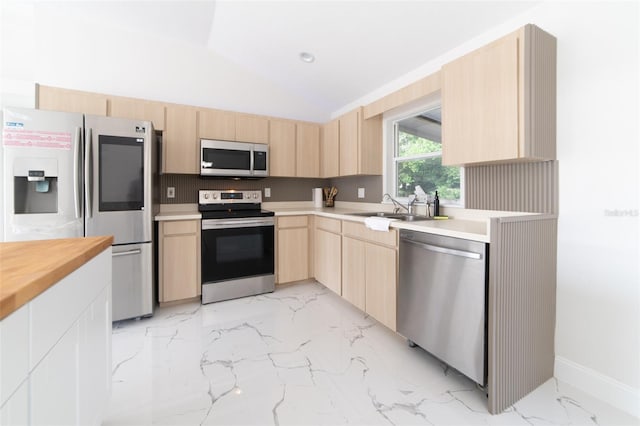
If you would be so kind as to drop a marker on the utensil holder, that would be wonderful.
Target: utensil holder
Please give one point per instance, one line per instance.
(329, 195)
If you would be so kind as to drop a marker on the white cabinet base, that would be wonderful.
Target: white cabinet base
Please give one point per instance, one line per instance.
(56, 351)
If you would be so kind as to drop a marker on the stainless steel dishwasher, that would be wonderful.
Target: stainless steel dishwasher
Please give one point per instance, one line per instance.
(441, 299)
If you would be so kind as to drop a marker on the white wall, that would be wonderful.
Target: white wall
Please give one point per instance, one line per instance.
(51, 46)
(598, 296)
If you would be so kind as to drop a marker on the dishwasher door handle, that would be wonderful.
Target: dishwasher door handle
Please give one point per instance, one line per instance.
(445, 250)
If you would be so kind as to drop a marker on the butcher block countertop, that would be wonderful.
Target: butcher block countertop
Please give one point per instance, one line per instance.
(28, 268)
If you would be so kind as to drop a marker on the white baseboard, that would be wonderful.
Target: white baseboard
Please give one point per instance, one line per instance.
(609, 390)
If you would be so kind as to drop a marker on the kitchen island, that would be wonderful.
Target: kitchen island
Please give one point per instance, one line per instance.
(55, 330)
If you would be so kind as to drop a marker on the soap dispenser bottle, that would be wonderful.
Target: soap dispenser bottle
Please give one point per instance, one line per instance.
(436, 205)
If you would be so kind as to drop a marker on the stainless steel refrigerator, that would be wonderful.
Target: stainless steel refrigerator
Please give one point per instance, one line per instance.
(74, 175)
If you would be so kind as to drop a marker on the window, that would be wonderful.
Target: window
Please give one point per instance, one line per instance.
(414, 157)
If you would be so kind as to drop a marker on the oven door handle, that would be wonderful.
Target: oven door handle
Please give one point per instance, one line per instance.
(235, 223)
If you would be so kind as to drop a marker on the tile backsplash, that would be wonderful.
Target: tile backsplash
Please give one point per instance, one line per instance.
(348, 188)
(282, 189)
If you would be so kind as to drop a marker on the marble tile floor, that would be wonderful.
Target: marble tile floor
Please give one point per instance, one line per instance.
(304, 356)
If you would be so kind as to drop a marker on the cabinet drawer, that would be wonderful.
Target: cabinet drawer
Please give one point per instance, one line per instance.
(293, 221)
(331, 225)
(180, 227)
(358, 230)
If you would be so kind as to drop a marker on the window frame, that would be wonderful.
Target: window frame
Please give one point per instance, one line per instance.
(389, 129)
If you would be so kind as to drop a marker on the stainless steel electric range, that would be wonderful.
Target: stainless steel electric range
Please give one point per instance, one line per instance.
(237, 245)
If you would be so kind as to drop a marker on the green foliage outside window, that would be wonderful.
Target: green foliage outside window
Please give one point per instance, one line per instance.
(427, 172)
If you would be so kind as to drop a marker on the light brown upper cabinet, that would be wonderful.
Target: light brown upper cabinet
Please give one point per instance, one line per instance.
(499, 102)
(57, 99)
(181, 148)
(232, 126)
(216, 124)
(294, 148)
(360, 144)
(330, 150)
(282, 148)
(252, 128)
(307, 150)
(138, 109)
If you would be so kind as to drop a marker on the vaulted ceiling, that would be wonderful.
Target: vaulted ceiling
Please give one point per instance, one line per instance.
(358, 45)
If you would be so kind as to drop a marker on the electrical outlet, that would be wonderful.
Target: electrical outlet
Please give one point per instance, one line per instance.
(267, 192)
(360, 192)
(171, 192)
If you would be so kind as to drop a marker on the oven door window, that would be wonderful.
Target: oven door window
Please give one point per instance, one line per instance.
(236, 253)
(121, 173)
(226, 159)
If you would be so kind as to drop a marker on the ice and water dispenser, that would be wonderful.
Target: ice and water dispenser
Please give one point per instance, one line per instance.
(35, 185)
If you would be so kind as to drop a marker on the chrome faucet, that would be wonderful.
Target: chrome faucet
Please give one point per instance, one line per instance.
(411, 204)
(398, 204)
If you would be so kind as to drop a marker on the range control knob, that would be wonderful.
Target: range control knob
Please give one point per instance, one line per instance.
(206, 196)
(255, 195)
(215, 196)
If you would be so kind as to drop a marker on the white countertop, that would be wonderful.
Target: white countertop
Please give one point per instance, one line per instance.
(462, 223)
(476, 230)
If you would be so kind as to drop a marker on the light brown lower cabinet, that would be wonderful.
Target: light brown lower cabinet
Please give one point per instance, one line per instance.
(369, 271)
(328, 254)
(179, 253)
(380, 279)
(357, 263)
(293, 249)
(353, 272)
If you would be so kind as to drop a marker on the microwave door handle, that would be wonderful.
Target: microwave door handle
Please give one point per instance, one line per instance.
(87, 172)
(251, 161)
(76, 172)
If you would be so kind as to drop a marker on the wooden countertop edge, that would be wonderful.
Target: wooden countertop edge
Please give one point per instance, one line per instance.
(38, 282)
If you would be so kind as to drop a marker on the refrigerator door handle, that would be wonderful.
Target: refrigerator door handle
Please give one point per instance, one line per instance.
(87, 172)
(76, 173)
(126, 253)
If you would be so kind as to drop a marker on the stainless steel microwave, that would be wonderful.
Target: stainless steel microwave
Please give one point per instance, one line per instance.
(233, 159)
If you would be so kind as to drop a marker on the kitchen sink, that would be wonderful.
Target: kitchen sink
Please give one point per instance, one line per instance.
(401, 216)
(414, 217)
(378, 214)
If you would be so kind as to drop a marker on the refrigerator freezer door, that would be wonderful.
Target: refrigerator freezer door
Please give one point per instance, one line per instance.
(119, 179)
(132, 281)
(41, 174)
